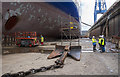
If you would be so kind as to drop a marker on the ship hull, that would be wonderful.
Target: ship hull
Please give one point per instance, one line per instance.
(40, 17)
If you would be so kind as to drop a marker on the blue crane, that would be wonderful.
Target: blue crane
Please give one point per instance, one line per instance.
(102, 8)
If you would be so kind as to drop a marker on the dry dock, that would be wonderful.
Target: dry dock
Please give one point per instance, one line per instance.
(91, 63)
(26, 26)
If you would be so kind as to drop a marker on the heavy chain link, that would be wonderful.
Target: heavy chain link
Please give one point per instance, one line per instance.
(33, 71)
(58, 64)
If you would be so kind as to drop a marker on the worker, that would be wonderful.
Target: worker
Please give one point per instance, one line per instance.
(42, 40)
(94, 43)
(28, 36)
(102, 43)
(35, 40)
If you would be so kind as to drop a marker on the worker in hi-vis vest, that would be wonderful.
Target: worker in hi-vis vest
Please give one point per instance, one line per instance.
(94, 43)
(42, 40)
(35, 40)
(102, 43)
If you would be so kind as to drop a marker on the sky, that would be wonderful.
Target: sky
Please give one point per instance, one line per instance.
(87, 12)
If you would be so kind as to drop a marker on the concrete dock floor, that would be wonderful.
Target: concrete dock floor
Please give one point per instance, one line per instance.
(91, 63)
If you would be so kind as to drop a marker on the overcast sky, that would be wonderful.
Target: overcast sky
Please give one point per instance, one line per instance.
(87, 7)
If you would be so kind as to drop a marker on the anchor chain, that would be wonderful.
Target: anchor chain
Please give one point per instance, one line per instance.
(33, 71)
(59, 63)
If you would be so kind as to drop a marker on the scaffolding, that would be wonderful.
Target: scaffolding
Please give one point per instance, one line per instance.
(70, 33)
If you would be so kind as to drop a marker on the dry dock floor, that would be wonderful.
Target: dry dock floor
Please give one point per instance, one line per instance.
(91, 63)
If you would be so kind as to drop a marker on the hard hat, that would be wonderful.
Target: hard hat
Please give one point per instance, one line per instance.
(93, 36)
(102, 36)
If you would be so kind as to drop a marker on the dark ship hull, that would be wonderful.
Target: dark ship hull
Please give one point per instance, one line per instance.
(45, 18)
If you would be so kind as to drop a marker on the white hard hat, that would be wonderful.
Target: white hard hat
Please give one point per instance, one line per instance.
(102, 36)
(93, 36)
